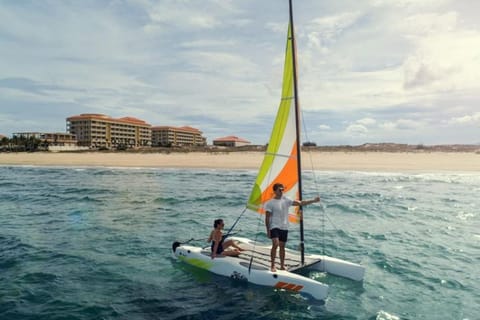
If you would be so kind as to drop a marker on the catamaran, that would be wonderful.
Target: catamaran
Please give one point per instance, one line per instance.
(281, 164)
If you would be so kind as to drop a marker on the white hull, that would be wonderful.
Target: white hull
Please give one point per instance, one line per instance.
(258, 272)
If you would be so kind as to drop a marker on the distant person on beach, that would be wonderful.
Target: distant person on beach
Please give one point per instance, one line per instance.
(276, 222)
(219, 246)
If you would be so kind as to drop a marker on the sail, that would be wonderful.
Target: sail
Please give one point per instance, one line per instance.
(280, 161)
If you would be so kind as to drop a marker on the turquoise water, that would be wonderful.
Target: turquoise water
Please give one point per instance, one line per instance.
(78, 243)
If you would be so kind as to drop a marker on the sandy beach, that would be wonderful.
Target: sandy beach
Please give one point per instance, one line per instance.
(343, 161)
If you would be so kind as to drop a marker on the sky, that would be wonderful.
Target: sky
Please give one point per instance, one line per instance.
(370, 71)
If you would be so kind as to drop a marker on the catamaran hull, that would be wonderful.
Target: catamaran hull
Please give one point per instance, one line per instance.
(258, 272)
(337, 267)
(237, 268)
(322, 263)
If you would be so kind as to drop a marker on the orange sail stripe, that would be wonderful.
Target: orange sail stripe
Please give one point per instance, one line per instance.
(288, 176)
(294, 217)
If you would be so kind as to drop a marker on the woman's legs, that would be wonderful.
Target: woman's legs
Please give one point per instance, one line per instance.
(231, 243)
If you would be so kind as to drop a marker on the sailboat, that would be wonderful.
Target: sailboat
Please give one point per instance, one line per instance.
(281, 164)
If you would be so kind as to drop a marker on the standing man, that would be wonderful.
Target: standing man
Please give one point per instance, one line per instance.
(276, 221)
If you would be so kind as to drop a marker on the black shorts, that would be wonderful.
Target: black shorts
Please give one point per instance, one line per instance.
(282, 235)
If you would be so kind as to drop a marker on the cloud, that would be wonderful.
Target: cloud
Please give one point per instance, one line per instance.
(24, 84)
(405, 124)
(361, 126)
(329, 28)
(356, 129)
(324, 127)
(445, 57)
(376, 70)
(473, 119)
(410, 4)
(367, 121)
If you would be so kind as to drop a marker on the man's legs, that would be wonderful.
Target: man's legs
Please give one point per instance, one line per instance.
(273, 254)
(282, 255)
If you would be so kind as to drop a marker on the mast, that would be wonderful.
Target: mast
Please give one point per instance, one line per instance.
(297, 120)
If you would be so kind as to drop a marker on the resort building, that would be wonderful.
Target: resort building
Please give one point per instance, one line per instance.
(46, 141)
(27, 135)
(101, 131)
(58, 139)
(166, 136)
(230, 141)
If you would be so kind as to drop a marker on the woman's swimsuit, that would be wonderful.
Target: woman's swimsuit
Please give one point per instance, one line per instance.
(219, 248)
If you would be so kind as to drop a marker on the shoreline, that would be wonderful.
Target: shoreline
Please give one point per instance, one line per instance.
(322, 161)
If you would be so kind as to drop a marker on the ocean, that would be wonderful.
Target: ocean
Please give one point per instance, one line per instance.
(95, 243)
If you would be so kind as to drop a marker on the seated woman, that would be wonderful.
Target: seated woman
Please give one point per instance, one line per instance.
(219, 246)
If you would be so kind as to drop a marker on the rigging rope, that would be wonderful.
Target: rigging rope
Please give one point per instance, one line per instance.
(315, 183)
(255, 241)
(254, 244)
(234, 224)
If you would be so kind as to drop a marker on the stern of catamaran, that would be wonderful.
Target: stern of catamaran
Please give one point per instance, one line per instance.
(175, 245)
(334, 266)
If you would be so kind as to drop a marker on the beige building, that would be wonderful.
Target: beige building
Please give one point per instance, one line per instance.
(59, 139)
(165, 136)
(101, 131)
(231, 141)
(50, 141)
(27, 135)
(56, 139)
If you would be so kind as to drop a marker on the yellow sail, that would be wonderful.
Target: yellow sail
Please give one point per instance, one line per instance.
(281, 158)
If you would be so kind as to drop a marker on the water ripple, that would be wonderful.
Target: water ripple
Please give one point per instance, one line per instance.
(94, 243)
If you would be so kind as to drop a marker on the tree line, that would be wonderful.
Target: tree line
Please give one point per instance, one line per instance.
(21, 143)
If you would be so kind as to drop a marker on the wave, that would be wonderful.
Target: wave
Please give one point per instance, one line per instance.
(93, 243)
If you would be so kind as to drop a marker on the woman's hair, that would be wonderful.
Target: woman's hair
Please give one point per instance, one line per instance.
(217, 222)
